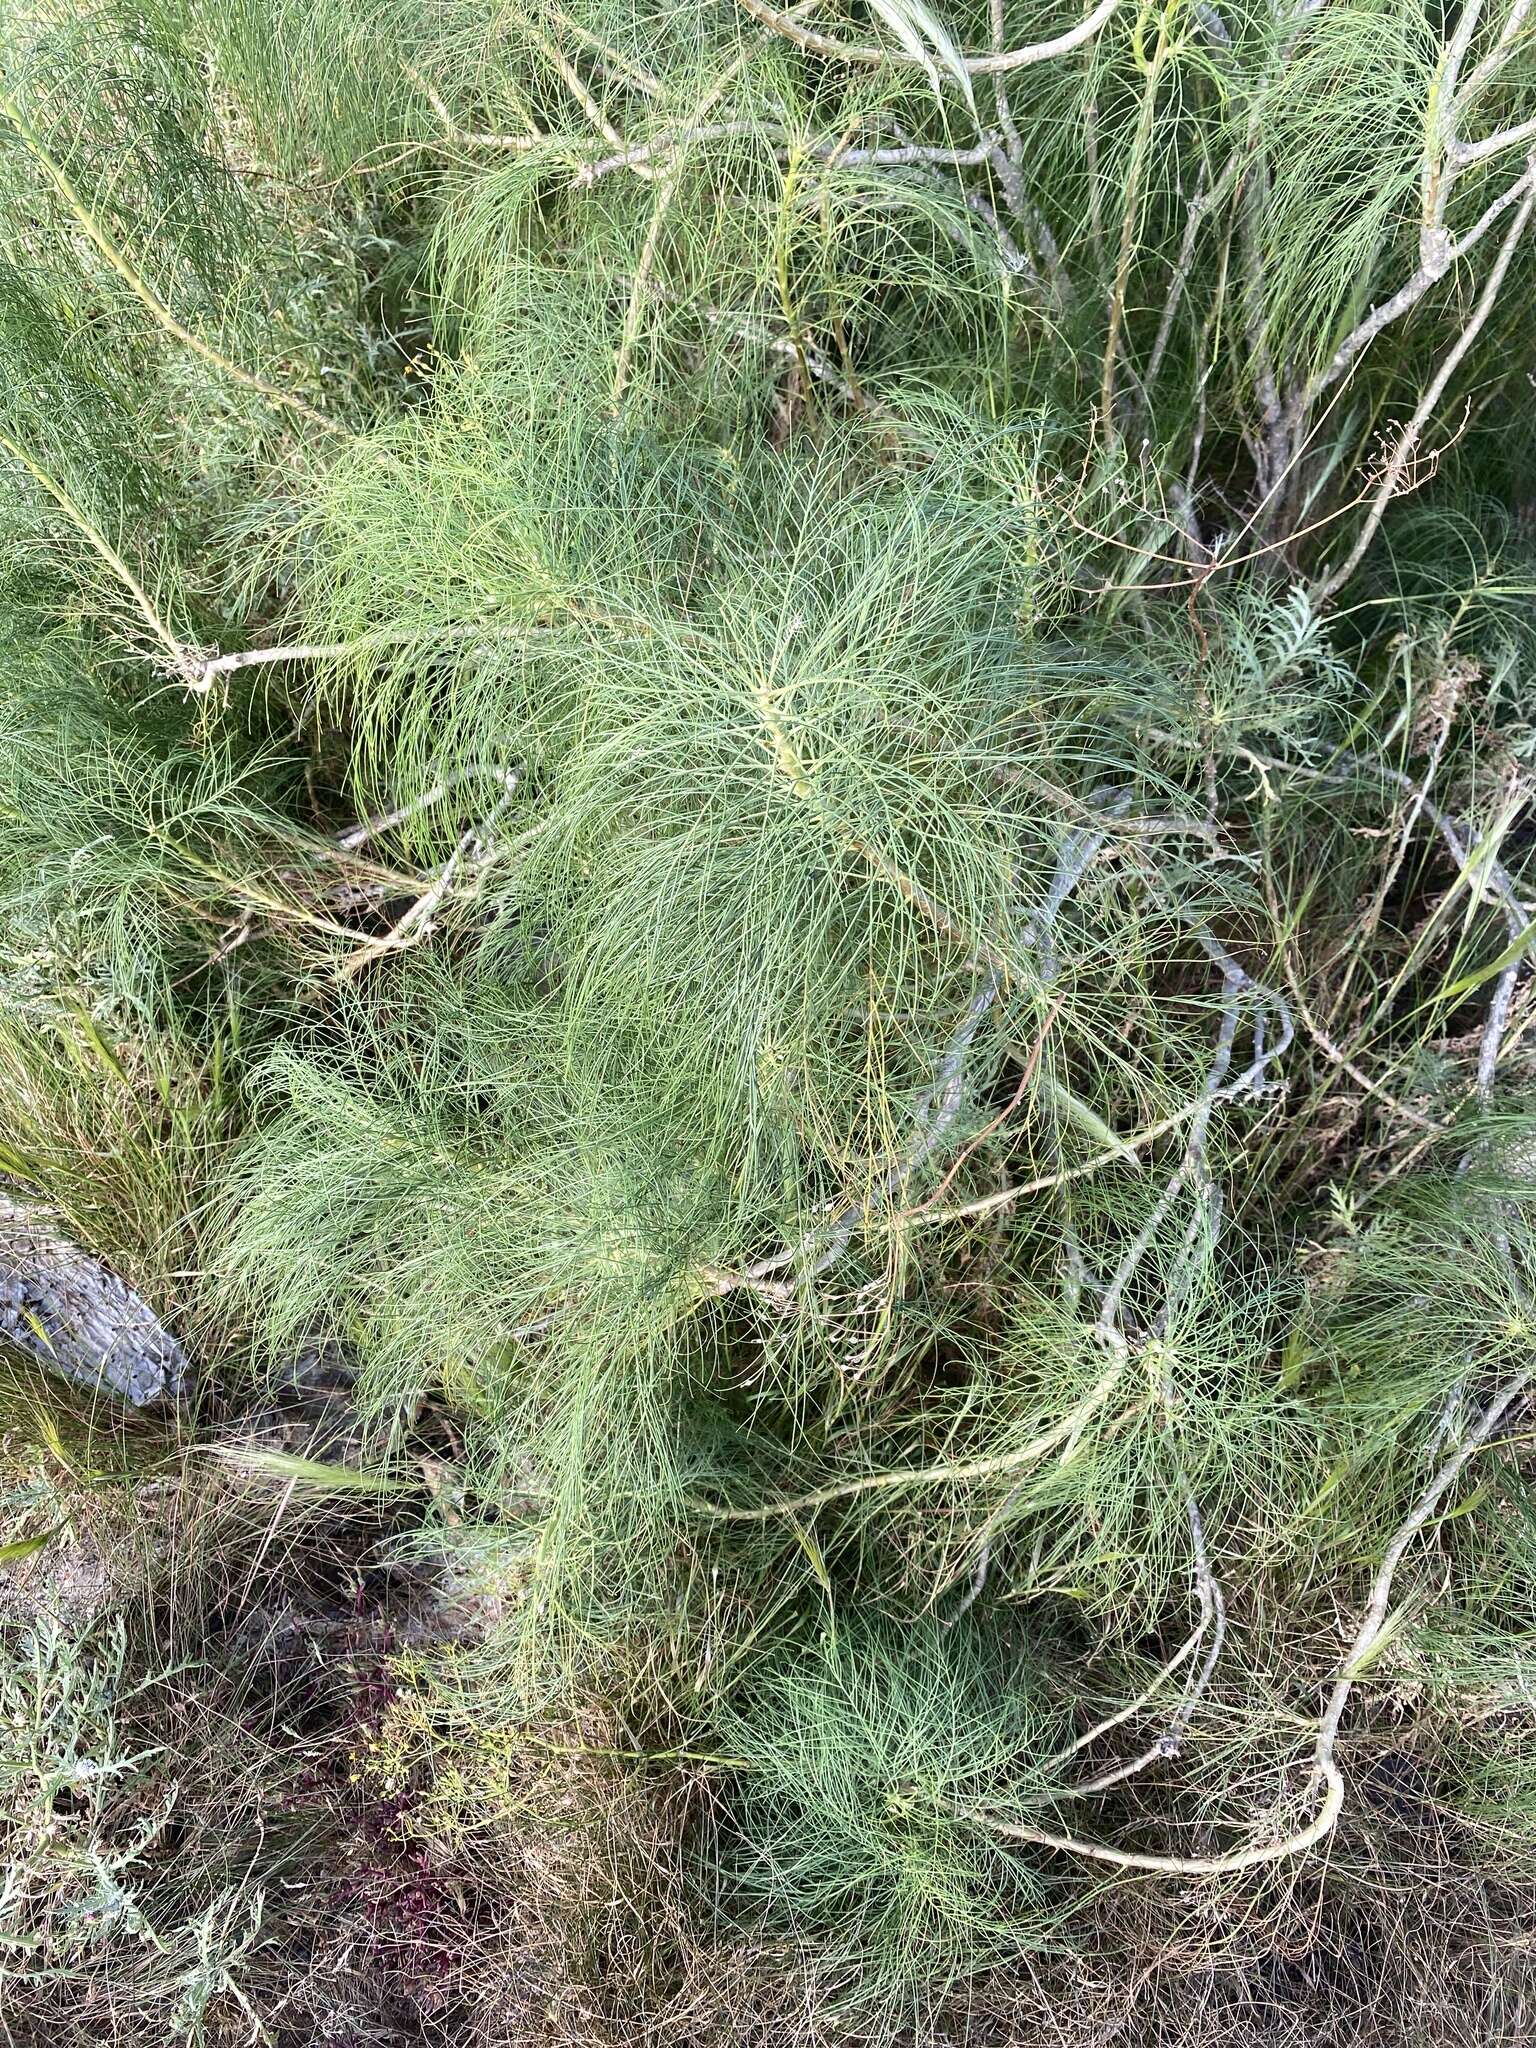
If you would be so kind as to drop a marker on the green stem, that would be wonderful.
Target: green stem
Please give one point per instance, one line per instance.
(1128, 219)
(80, 518)
(142, 290)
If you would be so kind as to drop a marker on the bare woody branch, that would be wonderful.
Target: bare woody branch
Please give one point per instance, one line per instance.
(1408, 441)
(989, 66)
(1325, 1769)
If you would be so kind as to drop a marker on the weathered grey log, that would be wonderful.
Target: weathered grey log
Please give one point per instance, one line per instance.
(67, 1309)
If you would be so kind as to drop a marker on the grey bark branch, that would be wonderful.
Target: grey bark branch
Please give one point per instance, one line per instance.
(1408, 440)
(71, 1312)
(975, 67)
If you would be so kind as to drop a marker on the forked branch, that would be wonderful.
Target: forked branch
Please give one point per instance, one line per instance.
(991, 65)
(1325, 1768)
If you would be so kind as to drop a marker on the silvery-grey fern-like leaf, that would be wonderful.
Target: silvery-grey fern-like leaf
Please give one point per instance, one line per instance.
(923, 36)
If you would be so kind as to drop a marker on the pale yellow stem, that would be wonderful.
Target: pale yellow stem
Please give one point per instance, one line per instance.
(142, 290)
(81, 519)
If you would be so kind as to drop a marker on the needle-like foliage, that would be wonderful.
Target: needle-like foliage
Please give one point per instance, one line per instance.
(765, 819)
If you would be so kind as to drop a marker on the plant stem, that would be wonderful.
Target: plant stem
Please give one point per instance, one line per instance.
(87, 526)
(142, 290)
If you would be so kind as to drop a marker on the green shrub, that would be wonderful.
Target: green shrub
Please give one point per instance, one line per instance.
(778, 765)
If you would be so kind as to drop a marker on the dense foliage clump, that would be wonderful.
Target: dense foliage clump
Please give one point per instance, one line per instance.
(767, 785)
